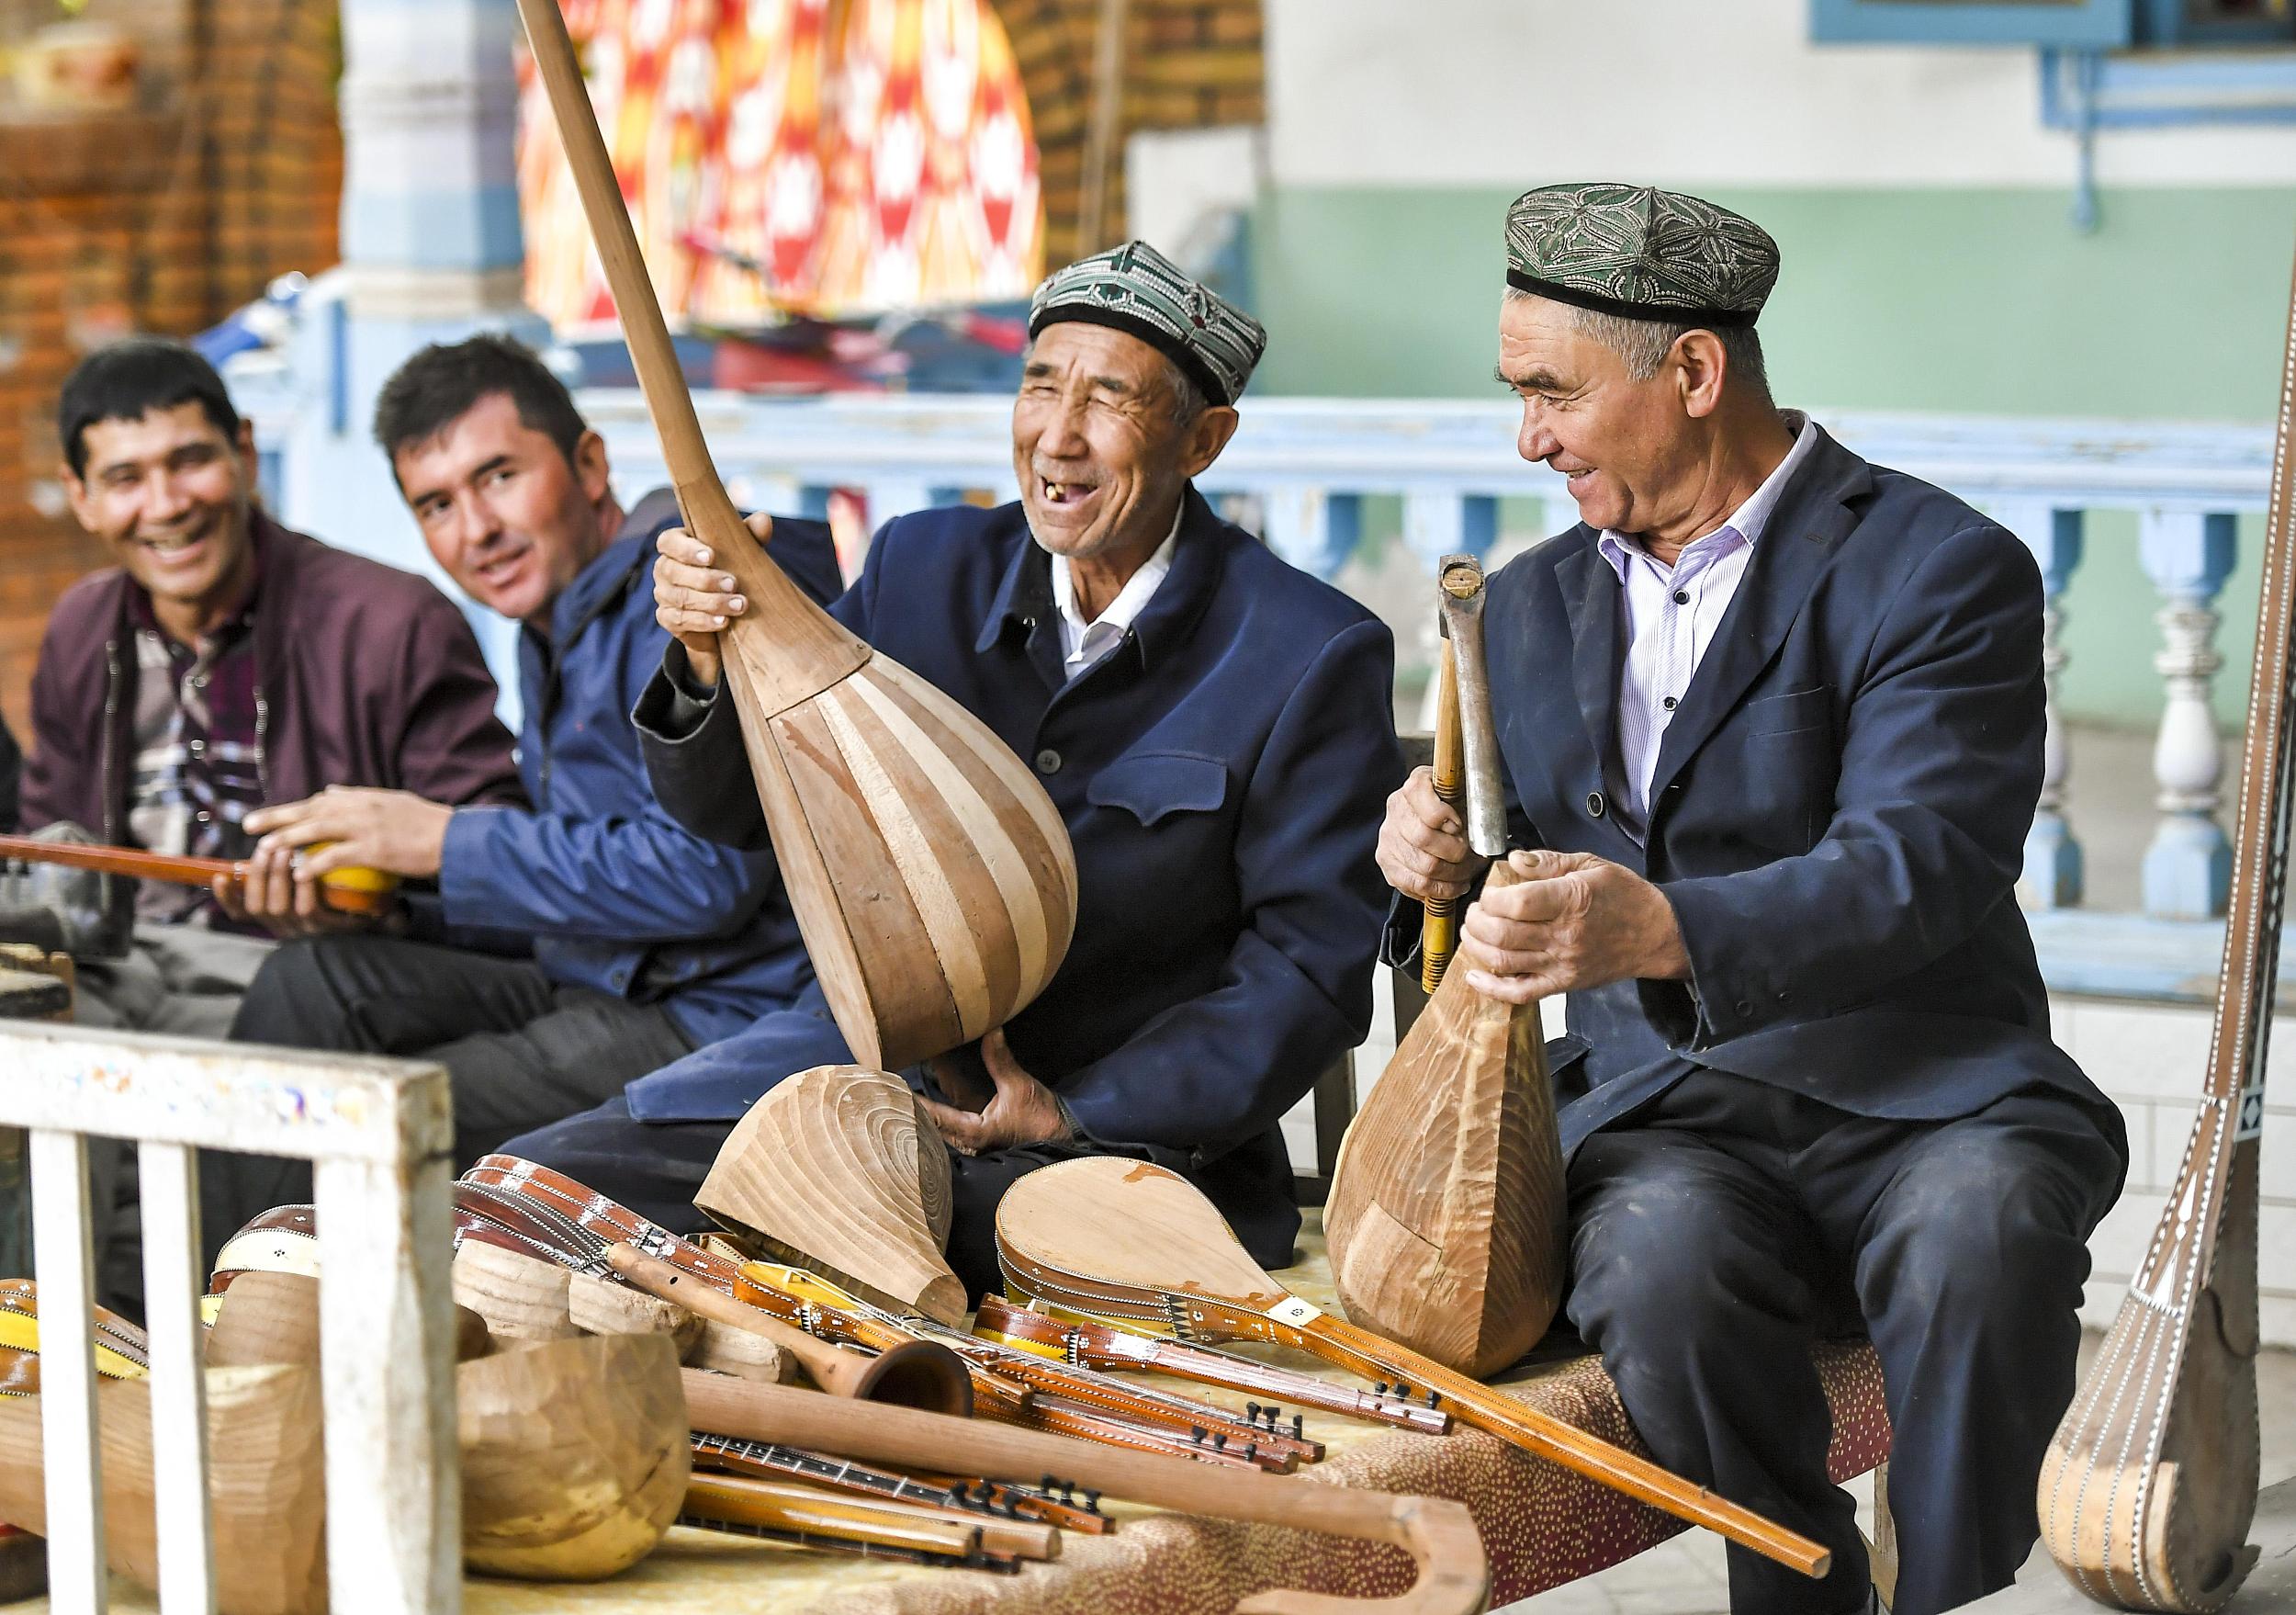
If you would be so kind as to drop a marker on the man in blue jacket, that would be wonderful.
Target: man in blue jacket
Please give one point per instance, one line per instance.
(1773, 717)
(635, 941)
(1214, 727)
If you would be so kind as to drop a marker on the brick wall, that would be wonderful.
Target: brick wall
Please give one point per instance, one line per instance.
(158, 221)
(1189, 65)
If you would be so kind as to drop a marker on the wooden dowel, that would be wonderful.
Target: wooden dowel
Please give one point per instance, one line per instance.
(1439, 928)
(348, 891)
(918, 1373)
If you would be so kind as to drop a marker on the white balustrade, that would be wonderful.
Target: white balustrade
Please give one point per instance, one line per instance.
(378, 1135)
(1308, 464)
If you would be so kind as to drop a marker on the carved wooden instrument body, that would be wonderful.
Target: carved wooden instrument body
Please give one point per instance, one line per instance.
(931, 876)
(1447, 1221)
(837, 1170)
(1440, 1536)
(1118, 1238)
(2150, 1483)
(574, 1455)
(348, 891)
(265, 1484)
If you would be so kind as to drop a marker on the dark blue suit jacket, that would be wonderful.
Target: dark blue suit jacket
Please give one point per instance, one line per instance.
(612, 893)
(1222, 774)
(1838, 814)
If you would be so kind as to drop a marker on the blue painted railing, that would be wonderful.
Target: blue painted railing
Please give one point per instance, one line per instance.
(1299, 471)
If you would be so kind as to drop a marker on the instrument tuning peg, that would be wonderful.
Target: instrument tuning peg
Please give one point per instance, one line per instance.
(1251, 1451)
(1379, 1389)
(1435, 1398)
(1251, 1413)
(1220, 1441)
(1196, 1433)
(1299, 1427)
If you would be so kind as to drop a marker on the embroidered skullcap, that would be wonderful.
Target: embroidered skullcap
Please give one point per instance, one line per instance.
(1136, 289)
(1642, 252)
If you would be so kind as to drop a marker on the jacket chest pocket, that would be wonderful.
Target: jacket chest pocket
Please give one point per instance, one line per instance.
(1152, 787)
(1791, 766)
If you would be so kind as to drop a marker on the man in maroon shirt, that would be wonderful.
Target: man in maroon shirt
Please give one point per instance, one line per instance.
(224, 663)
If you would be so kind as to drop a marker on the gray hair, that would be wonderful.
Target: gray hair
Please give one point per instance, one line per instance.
(1644, 344)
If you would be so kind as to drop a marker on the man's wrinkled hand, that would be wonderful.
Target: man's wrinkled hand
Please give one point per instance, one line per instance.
(1423, 843)
(1021, 1111)
(1574, 922)
(270, 895)
(692, 599)
(395, 831)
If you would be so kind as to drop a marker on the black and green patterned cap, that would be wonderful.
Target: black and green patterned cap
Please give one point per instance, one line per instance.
(1642, 252)
(1136, 289)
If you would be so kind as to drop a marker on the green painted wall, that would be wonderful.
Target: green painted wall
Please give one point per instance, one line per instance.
(1964, 302)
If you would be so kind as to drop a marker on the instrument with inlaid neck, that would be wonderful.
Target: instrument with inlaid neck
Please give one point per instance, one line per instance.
(2150, 1483)
(1095, 1344)
(1113, 1237)
(930, 874)
(369, 892)
(766, 1460)
(1440, 1535)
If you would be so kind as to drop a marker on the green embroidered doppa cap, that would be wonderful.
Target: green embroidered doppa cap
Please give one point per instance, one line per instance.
(1640, 252)
(1135, 288)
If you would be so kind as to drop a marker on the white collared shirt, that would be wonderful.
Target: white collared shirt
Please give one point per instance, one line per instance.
(1672, 613)
(1084, 644)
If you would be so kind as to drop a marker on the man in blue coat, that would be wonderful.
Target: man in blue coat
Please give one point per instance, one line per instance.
(629, 941)
(1214, 726)
(1772, 721)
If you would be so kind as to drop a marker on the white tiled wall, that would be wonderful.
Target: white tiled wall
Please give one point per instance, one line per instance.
(2151, 1059)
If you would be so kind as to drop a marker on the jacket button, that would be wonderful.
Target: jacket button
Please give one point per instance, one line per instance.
(1595, 805)
(1048, 761)
(1744, 1008)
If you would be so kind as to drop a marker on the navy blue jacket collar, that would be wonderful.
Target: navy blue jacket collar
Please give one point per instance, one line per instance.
(1024, 596)
(601, 584)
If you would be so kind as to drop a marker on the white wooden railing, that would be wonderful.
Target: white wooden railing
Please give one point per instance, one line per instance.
(1299, 471)
(378, 1135)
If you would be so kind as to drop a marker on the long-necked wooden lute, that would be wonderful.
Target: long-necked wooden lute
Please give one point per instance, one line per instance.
(1089, 1343)
(1114, 1237)
(931, 876)
(1454, 1575)
(1466, 748)
(1446, 1221)
(347, 891)
(2150, 1483)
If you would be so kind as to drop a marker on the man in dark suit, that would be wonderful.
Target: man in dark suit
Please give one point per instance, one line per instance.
(1772, 719)
(1214, 727)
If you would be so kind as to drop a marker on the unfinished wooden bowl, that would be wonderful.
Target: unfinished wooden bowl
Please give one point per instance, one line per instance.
(266, 1473)
(835, 1169)
(575, 1455)
(1447, 1224)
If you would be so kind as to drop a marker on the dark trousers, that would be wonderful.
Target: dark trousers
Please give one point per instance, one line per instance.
(520, 1049)
(1716, 1233)
(655, 1167)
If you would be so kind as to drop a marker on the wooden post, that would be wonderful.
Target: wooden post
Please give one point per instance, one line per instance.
(1104, 134)
(169, 1190)
(65, 1262)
